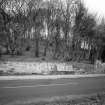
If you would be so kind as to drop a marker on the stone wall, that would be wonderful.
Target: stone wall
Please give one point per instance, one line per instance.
(34, 67)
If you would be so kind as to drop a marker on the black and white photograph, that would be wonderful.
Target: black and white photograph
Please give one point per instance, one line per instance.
(52, 52)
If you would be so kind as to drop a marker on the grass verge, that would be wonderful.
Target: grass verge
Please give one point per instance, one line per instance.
(95, 99)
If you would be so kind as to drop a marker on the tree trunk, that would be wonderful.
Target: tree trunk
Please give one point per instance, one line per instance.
(45, 48)
(57, 38)
(37, 48)
(37, 43)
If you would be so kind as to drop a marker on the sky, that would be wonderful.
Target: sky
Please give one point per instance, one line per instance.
(96, 6)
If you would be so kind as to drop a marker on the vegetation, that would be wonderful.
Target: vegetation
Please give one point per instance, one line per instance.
(63, 30)
(97, 99)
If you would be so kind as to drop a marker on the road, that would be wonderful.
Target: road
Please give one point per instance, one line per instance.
(13, 90)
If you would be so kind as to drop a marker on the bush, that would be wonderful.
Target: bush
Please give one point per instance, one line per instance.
(1, 72)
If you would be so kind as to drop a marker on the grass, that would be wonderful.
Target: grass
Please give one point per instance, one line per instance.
(96, 99)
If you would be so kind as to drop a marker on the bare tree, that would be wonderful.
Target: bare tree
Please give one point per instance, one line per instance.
(68, 10)
(16, 12)
(84, 30)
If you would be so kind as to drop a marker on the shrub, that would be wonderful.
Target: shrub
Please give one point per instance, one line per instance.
(1, 72)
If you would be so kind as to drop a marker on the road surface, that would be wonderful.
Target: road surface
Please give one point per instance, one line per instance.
(13, 90)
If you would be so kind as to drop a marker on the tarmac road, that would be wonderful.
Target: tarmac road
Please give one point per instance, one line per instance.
(13, 90)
